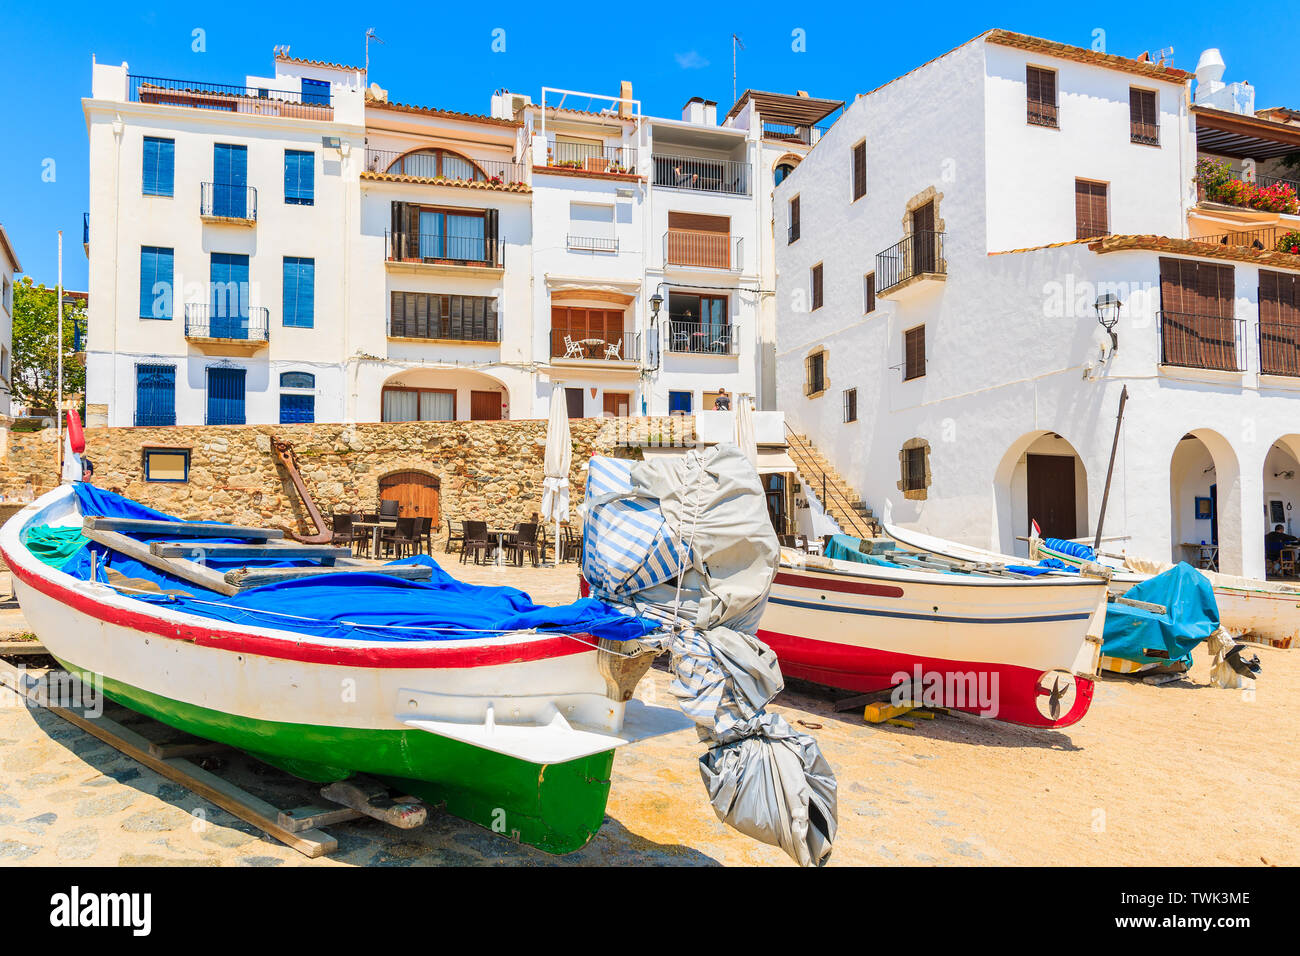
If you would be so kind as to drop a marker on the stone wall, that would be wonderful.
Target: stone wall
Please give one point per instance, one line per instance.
(490, 471)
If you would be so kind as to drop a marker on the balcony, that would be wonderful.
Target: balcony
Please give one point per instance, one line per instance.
(916, 258)
(786, 133)
(1279, 347)
(1261, 240)
(1202, 341)
(704, 175)
(1218, 182)
(699, 338)
(247, 328)
(485, 329)
(589, 158)
(595, 346)
(698, 249)
(591, 243)
(225, 98)
(456, 252)
(222, 202)
(435, 166)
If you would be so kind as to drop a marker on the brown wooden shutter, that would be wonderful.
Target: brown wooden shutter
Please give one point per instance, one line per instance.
(1090, 216)
(1279, 323)
(794, 219)
(492, 253)
(871, 292)
(1143, 124)
(1040, 98)
(914, 353)
(397, 231)
(817, 286)
(859, 170)
(1198, 326)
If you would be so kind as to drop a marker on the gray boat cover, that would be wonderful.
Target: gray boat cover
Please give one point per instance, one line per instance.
(704, 514)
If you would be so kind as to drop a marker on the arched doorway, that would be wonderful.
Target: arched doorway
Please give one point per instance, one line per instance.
(1042, 479)
(1281, 482)
(425, 395)
(415, 492)
(1205, 507)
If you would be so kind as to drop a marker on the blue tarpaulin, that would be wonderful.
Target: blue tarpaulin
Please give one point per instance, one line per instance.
(845, 547)
(337, 606)
(1192, 615)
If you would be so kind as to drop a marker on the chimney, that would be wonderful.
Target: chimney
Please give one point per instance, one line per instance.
(710, 113)
(625, 94)
(693, 111)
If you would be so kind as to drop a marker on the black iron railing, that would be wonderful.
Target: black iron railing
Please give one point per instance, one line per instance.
(1041, 114)
(455, 329)
(837, 507)
(1279, 347)
(1261, 240)
(590, 158)
(444, 249)
(596, 345)
(241, 323)
(1202, 341)
(918, 254)
(436, 165)
(702, 338)
(227, 98)
(788, 133)
(706, 175)
(1148, 134)
(224, 201)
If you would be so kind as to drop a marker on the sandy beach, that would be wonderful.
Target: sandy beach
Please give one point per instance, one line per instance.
(1179, 774)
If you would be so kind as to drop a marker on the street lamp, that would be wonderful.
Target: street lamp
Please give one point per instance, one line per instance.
(1108, 307)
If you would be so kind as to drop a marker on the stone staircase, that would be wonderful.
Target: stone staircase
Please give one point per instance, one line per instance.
(837, 496)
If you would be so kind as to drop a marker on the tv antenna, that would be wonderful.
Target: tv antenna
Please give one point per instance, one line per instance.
(736, 44)
(370, 35)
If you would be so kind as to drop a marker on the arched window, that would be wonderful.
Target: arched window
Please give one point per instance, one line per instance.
(437, 163)
(783, 170)
(297, 380)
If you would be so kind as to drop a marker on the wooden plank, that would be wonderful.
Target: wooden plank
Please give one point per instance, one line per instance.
(307, 818)
(186, 570)
(255, 577)
(22, 648)
(180, 529)
(172, 549)
(194, 748)
(223, 793)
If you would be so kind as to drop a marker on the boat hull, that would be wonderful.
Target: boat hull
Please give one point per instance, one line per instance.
(1000, 649)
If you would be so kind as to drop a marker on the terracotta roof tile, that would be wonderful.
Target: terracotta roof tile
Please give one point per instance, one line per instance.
(280, 57)
(1189, 247)
(372, 103)
(460, 183)
(1084, 55)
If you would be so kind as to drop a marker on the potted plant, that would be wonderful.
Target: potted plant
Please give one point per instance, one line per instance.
(1289, 243)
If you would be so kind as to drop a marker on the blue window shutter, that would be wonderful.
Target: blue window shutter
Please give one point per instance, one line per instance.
(155, 395)
(299, 177)
(229, 180)
(290, 304)
(297, 408)
(159, 166)
(156, 288)
(228, 295)
(225, 396)
(299, 292)
(316, 91)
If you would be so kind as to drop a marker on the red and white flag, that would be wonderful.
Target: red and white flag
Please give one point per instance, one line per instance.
(1034, 529)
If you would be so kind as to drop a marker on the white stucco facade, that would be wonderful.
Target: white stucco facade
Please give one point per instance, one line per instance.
(1016, 367)
(9, 264)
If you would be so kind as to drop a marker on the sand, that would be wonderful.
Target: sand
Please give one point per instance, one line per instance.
(1180, 774)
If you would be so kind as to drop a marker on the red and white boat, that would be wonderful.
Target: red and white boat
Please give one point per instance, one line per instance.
(1019, 650)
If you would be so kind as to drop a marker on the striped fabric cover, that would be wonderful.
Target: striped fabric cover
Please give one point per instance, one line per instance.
(627, 544)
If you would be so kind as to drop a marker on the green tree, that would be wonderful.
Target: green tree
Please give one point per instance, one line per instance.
(35, 354)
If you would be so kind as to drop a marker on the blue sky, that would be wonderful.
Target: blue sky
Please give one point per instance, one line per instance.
(670, 51)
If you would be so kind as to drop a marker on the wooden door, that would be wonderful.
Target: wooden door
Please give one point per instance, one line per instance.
(574, 401)
(1050, 480)
(618, 404)
(923, 251)
(485, 406)
(415, 492)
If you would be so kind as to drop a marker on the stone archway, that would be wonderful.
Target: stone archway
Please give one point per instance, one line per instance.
(1204, 466)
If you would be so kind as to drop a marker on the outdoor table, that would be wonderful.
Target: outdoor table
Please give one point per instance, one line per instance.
(500, 536)
(592, 346)
(1207, 555)
(375, 527)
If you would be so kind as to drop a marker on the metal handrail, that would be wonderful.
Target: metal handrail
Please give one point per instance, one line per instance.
(591, 243)
(1190, 340)
(425, 165)
(921, 253)
(254, 326)
(227, 201)
(707, 175)
(444, 248)
(1279, 347)
(806, 449)
(590, 158)
(229, 98)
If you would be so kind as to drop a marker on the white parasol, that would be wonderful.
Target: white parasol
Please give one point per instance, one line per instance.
(559, 456)
(745, 439)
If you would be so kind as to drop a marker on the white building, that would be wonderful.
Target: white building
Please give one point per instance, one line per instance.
(302, 247)
(8, 266)
(954, 240)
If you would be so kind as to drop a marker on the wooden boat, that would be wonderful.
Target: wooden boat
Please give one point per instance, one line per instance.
(515, 731)
(1265, 611)
(1018, 649)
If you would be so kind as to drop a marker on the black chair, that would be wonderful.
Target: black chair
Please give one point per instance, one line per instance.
(524, 540)
(424, 536)
(389, 508)
(363, 537)
(788, 541)
(572, 544)
(455, 535)
(403, 539)
(341, 530)
(476, 541)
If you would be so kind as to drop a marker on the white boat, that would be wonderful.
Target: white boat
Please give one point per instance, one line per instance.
(1014, 649)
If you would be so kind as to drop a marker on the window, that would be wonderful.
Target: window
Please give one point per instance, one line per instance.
(435, 164)
(850, 405)
(299, 177)
(869, 292)
(859, 170)
(316, 91)
(4, 363)
(794, 220)
(159, 166)
(574, 402)
(297, 409)
(817, 287)
(1143, 124)
(230, 192)
(297, 380)
(914, 463)
(1090, 218)
(700, 324)
(431, 233)
(1040, 88)
(1198, 324)
(914, 353)
(166, 464)
(155, 395)
(228, 295)
(679, 403)
(463, 318)
(401, 404)
(591, 227)
(1279, 323)
(814, 366)
(156, 270)
(225, 396)
(782, 170)
(299, 292)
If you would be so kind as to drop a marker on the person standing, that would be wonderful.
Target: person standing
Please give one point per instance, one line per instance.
(723, 402)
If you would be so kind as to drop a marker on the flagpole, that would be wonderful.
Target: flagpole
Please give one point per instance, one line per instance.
(58, 405)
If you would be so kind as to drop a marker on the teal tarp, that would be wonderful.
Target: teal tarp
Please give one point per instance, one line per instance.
(1192, 615)
(844, 547)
